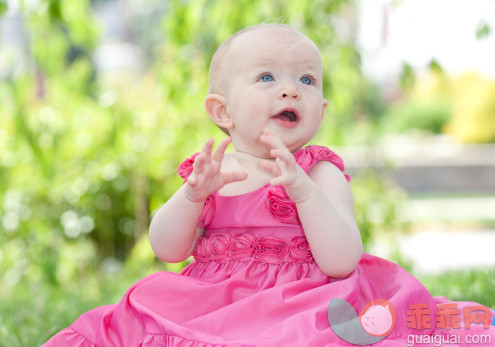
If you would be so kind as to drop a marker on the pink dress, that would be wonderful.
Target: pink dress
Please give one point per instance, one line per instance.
(254, 282)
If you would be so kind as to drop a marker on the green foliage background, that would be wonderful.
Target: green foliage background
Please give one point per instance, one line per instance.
(461, 107)
(88, 156)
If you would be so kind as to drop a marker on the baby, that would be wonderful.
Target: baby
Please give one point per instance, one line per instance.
(271, 227)
(266, 92)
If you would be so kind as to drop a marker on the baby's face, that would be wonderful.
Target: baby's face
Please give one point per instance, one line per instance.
(273, 80)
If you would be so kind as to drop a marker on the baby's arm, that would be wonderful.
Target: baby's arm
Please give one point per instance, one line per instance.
(173, 230)
(325, 207)
(326, 211)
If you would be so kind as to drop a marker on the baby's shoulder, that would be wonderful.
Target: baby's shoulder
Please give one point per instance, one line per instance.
(326, 170)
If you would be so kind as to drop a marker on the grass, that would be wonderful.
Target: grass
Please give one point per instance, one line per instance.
(463, 285)
(33, 312)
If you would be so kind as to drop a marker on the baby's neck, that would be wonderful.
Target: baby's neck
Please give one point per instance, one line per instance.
(248, 160)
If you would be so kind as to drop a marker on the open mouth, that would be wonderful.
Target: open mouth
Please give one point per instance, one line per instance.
(287, 118)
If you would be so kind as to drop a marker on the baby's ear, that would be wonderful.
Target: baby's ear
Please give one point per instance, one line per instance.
(324, 106)
(216, 106)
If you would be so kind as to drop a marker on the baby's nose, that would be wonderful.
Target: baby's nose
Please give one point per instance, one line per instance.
(290, 92)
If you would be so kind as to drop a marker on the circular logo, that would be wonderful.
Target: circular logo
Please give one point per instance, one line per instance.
(373, 324)
(378, 317)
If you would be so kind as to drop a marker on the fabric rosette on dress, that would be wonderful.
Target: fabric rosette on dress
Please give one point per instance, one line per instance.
(244, 247)
(281, 206)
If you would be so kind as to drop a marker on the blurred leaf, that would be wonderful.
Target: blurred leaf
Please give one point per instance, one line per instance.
(378, 204)
(55, 10)
(3, 7)
(483, 30)
(407, 76)
(430, 115)
(434, 66)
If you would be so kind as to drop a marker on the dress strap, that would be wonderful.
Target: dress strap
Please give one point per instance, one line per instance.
(308, 156)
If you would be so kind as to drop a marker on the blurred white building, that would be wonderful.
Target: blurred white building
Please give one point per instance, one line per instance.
(417, 31)
(130, 29)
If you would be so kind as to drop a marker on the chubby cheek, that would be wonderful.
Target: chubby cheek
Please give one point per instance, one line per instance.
(252, 127)
(255, 117)
(318, 110)
(315, 119)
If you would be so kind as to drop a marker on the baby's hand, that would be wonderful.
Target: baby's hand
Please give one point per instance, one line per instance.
(285, 169)
(206, 177)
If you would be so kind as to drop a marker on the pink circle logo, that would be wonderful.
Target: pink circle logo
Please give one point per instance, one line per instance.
(378, 317)
(375, 322)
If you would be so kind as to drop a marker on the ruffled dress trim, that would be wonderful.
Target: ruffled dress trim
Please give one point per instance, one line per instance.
(308, 156)
(70, 337)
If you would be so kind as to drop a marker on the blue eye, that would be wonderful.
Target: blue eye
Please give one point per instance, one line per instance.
(266, 78)
(305, 80)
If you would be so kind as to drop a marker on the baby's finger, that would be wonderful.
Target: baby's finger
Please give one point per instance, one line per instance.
(268, 140)
(285, 156)
(192, 180)
(281, 165)
(219, 152)
(281, 180)
(274, 139)
(199, 163)
(234, 176)
(208, 145)
(270, 167)
(272, 142)
(207, 149)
